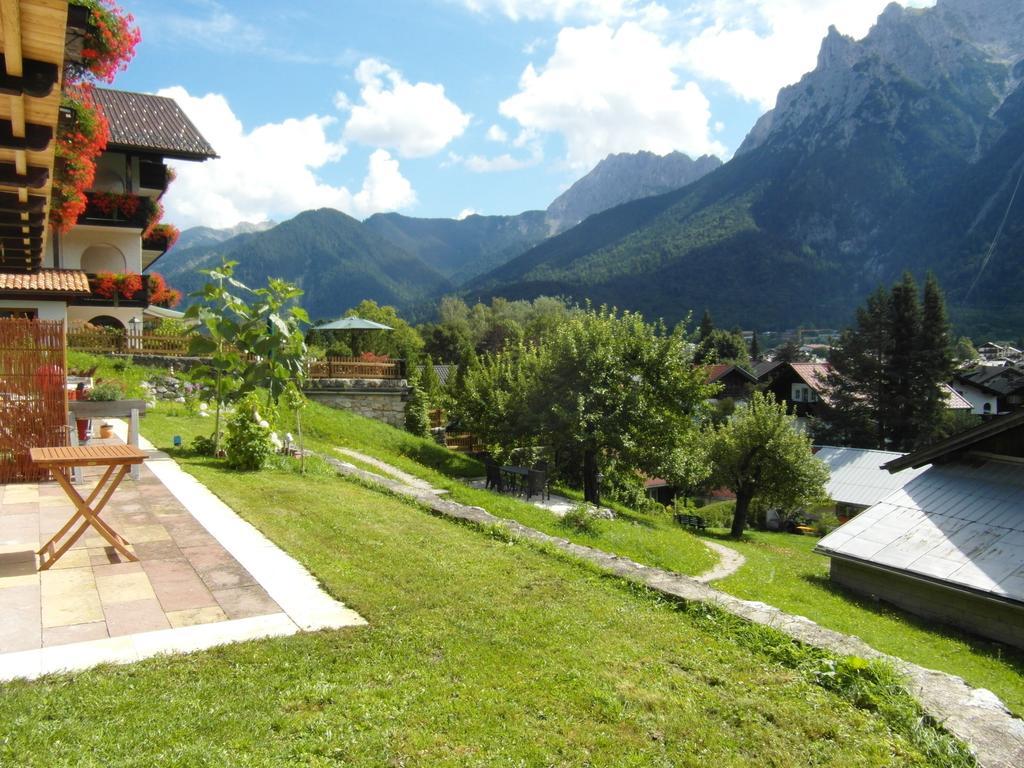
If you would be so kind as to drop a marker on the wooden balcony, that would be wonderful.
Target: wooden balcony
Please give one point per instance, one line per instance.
(117, 210)
(138, 298)
(153, 176)
(356, 368)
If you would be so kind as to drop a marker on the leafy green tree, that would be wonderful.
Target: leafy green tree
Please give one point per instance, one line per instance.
(722, 346)
(964, 351)
(416, 419)
(430, 382)
(604, 389)
(403, 342)
(758, 454)
(252, 338)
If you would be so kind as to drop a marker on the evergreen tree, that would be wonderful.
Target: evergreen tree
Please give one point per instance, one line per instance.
(755, 348)
(431, 383)
(416, 419)
(706, 327)
(934, 362)
(887, 387)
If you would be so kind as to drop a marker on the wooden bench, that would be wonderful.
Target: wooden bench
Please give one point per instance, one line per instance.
(691, 521)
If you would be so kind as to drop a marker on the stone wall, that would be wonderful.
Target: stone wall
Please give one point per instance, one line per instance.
(375, 399)
(995, 620)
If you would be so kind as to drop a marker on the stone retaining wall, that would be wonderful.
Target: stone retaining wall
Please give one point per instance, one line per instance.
(385, 404)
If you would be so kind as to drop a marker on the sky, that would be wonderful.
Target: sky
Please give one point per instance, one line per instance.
(444, 108)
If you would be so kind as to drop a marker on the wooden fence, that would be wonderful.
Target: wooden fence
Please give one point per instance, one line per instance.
(120, 342)
(355, 368)
(33, 403)
(463, 443)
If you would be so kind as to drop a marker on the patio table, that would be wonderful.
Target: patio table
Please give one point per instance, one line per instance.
(516, 478)
(62, 461)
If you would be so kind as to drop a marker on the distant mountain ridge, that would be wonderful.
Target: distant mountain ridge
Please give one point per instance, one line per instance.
(461, 249)
(208, 235)
(899, 151)
(336, 260)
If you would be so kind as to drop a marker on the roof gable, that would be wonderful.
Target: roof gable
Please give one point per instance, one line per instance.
(1001, 431)
(147, 123)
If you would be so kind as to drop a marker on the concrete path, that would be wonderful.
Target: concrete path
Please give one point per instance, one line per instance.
(411, 480)
(974, 715)
(729, 562)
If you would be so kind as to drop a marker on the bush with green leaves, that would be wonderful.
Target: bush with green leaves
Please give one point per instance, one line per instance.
(106, 391)
(582, 518)
(248, 444)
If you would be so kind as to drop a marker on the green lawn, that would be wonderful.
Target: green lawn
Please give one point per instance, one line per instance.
(480, 652)
(782, 570)
(651, 539)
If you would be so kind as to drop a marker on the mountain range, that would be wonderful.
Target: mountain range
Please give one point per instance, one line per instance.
(405, 260)
(901, 151)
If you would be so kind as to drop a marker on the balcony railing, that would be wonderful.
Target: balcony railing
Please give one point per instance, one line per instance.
(115, 297)
(356, 368)
(117, 210)
(156, 241)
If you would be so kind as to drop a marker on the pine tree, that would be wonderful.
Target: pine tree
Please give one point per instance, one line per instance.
(903, 377)
(706, 327)
(431, 383)
(934, 361)
(755, 348)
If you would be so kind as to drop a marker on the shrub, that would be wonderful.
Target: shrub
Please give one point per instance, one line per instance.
(582, 518)
(204, 445)
(106, 391)
(826, 523)
(248, 443)
(718, 514)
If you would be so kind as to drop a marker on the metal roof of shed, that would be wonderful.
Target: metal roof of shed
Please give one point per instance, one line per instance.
(960, 525)
(857, 476)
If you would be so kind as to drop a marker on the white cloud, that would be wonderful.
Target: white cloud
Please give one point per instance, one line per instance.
(416, 120)
(270, 171)
(756, 47)
(613, 90)
(465, 213)
(384, 188)
(497, 133)
(559, 10)
(502, 162)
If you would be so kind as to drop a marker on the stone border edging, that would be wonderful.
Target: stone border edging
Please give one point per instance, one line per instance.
(974, 715)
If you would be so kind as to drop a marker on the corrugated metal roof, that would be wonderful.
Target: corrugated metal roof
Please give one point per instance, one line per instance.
(957, 524)
(142, 121)
(857, 476)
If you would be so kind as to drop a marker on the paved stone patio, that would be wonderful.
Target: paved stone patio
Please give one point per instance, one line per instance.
(183, 577)
(187, 591)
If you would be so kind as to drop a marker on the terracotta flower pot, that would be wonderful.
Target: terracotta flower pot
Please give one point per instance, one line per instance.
(106, 431)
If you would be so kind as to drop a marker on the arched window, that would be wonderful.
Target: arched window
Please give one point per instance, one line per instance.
(106, 321)
(103, 258)
(987, 408)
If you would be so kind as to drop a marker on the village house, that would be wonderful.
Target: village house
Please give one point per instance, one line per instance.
(737, 382)
(992, 389)
(949, 544)
(857, 479)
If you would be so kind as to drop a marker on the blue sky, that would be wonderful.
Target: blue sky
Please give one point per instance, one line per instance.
(443, 107)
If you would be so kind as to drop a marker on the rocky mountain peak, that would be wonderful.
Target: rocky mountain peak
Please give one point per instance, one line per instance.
(621, 178)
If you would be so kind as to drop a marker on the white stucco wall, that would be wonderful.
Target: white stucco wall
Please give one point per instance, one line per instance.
(977, 399)
(47, 310)
(76, 242)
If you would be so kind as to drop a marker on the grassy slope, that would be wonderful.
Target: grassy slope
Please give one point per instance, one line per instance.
(479, 652)
(782, 570)
(654, 540)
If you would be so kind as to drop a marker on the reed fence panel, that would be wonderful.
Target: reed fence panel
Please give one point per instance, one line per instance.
(33, 394)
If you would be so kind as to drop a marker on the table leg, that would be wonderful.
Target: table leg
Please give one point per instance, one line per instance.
(88, 502)
(90, 515)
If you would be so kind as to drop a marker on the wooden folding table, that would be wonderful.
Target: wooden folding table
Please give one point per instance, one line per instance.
(62, 461)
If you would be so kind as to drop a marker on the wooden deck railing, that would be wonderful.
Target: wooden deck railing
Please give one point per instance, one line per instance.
(355, 368)
(119, 342)
(463, 443)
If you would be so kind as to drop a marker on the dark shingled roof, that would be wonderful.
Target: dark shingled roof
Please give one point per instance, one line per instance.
(147, 123)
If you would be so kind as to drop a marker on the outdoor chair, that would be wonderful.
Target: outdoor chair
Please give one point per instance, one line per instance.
(537, 484)
(494, 479)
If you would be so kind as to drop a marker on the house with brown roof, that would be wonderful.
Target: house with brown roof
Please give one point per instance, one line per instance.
(735, 381)
(801, 386)
(115, 233)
